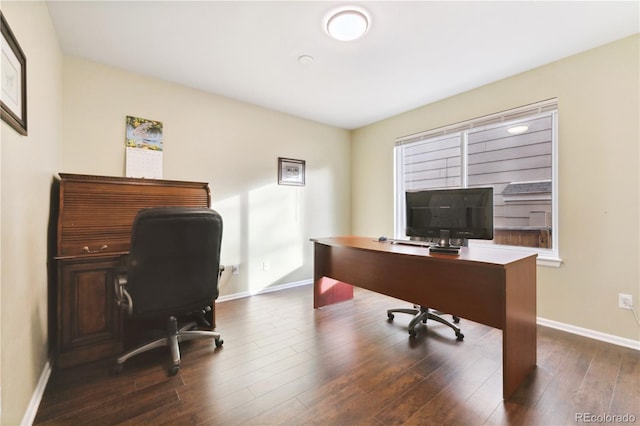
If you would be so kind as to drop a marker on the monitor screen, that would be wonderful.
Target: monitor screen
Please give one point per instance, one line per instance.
(450, 213)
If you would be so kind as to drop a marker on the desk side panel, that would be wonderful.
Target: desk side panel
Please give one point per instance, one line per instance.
(520, 332)
(326, 290)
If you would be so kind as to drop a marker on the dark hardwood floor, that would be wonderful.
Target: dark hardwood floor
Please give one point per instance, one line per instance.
(284, 363)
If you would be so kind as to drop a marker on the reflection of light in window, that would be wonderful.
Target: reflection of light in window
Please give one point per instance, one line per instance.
(516, 130)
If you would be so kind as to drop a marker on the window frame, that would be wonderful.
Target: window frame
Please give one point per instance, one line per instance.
(546, 257)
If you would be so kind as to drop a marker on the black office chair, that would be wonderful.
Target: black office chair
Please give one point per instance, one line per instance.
(173, 271)
(422, 314)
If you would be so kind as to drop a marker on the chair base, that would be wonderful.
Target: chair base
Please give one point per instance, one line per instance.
(422, 314)
(172, 339)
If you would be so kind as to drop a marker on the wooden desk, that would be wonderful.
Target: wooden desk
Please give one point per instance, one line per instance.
(490, 286)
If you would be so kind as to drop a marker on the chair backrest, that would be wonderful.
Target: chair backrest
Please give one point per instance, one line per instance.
(174, 260)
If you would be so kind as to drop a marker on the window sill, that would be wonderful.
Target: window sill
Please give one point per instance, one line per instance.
(549, 261)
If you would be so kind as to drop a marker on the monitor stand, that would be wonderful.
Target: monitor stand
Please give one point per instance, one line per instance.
(444, 244)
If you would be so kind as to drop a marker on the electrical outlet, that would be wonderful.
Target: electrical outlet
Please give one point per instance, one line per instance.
(625, 301)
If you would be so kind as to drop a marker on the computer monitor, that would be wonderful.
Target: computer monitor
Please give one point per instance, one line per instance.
(446, 214)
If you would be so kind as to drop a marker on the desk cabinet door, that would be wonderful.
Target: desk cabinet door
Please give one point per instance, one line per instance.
(89, 321)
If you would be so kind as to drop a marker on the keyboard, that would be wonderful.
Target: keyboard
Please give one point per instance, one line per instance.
(411, 243)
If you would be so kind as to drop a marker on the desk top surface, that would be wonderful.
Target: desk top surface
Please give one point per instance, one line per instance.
(496, 256)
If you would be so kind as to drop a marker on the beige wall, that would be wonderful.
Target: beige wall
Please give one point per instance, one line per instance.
(27, 166)
(598, 95)
(233, 146)
(349, 179)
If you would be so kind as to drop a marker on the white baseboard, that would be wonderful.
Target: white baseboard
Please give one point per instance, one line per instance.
(32, 409)
(597, 335)
(264, 290)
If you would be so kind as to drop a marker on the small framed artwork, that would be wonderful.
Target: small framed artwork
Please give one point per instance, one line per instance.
(13, 75)
(290, 171)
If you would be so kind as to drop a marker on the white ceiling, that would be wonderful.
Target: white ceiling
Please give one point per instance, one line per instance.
(415, 52)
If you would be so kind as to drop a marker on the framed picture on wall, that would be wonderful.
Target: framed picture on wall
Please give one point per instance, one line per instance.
(290, 171)
(13, 75)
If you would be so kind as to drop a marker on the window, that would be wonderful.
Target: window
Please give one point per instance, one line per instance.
(514, 152)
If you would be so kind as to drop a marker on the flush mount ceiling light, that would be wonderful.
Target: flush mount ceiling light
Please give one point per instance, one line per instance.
(516, 130)
(347, 23)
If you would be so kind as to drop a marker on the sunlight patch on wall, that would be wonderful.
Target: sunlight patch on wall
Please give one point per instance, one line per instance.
(275, 234)
(231, 211)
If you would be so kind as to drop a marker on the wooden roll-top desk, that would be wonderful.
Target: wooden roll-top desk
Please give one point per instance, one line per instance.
(93, 216)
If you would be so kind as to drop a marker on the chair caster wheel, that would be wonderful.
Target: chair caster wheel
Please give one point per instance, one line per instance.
(174, 370)
(117, 369)
(413, 333)
(390, 316)
(219, 342)
(456, 319)
(459, 336)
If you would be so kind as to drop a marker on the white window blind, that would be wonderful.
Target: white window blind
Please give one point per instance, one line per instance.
(500, 117)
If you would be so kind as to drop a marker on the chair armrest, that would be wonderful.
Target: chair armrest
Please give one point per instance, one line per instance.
(123, 298)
